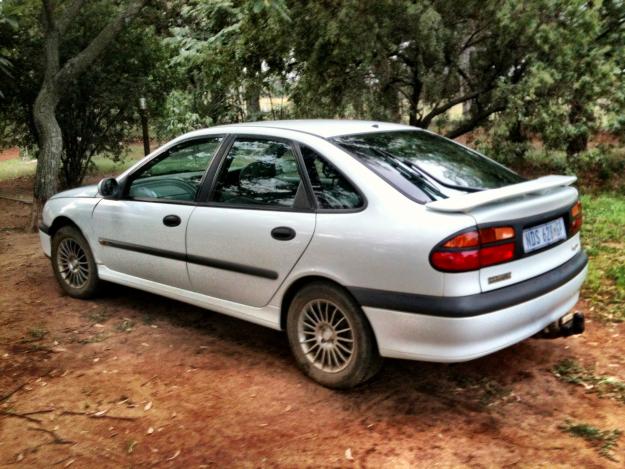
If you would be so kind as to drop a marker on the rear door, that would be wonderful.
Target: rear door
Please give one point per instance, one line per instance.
(255, 223)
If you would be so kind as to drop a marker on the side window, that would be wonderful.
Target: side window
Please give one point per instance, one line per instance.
(331, 189)
(260, 172)
(176, 176)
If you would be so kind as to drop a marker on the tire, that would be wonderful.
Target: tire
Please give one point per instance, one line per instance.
(73, 263)
(330, 337)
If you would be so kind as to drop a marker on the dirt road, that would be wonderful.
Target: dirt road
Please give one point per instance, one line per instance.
(135, 380)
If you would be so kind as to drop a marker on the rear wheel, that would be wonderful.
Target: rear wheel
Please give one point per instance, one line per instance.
(331, 338)
(73, 263)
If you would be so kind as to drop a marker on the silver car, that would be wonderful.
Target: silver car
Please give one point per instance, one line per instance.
(361, 240)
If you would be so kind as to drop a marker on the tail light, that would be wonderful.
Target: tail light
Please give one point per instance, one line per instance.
(474, 249)
(576, 218)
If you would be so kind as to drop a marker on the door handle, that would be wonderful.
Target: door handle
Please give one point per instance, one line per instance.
(283, 233)
(171, 220)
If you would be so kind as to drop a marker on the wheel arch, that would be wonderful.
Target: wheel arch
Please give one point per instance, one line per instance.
(300, 283)
(61, 221)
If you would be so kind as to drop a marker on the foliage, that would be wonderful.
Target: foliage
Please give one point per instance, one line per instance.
(574, 81)
(232, 53)
(571, 371)
(8, 26)
(604, 440)
(603, 233)
(382, 59)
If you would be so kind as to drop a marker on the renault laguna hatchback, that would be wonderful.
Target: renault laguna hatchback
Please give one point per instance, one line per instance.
(361, 240)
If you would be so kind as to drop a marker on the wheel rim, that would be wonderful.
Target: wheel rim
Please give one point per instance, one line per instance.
(72, 262)
(326, 336)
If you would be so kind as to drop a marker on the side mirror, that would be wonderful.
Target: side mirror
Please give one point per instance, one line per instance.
(108, 187)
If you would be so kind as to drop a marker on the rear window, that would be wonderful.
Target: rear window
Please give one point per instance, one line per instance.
(410, 154)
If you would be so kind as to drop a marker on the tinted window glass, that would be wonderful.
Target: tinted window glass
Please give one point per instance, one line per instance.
(444, 160)
(177, 176)
(259, 172)
(331, 189)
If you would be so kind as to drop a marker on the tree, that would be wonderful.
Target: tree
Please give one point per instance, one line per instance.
(57, 78)
(232, 52)
(575, 73)
(385, 58)
(98, 112)
(7, 27)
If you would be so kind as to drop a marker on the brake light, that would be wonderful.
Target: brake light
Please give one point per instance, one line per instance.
(576, 218)
(475, 249)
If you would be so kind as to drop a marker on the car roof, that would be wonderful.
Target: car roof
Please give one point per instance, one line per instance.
(325, 128)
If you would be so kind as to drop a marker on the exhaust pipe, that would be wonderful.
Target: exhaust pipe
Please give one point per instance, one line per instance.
(563, 327)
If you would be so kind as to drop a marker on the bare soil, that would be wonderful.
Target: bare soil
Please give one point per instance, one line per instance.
(135, 380)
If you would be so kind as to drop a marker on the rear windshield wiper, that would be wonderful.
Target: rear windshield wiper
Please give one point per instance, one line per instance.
(417, 175)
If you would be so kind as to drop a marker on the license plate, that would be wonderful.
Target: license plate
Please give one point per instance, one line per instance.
(543, 235)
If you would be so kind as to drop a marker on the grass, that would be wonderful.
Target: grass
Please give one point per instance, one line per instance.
(37, 333)
(12, 169)
(603, 440)
(125, 326)
(603, 235)
(571, 371)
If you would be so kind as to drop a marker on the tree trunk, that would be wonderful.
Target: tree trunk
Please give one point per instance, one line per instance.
(415, 97)
(578, 142)
(252, 101)
(50, 150)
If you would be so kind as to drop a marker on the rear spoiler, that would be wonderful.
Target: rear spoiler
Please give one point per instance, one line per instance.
(467, 202)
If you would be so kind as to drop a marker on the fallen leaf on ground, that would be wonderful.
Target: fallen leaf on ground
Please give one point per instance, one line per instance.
(176, 454)
(348, 454)
(148, 406)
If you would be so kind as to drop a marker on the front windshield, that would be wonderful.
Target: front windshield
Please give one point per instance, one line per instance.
(443, 160)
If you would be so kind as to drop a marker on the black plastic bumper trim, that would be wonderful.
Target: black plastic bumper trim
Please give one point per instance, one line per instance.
(192, 259)
(473, 305)
(44, 228)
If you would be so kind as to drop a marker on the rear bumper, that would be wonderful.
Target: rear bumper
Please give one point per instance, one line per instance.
(471, 333)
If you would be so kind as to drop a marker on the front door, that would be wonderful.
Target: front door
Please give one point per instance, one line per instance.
(256, 224)
(143, 233)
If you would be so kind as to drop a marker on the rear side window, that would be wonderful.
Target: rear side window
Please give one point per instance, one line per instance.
(421, 152)
(332, 191)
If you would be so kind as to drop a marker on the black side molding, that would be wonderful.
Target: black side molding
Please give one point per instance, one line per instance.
(179, 256)
(44, 228)
(472, 305)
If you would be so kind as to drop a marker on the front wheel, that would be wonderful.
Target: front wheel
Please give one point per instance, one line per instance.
(331, 338)
(73, 263)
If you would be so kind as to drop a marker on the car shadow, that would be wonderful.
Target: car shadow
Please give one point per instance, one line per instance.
(401, 388)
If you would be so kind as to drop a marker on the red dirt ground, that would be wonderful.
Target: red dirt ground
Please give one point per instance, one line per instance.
(134, 380)
(9, 154)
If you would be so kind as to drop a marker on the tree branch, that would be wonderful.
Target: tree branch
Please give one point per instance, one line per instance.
(80, 62)
(448, 105)
(68, 15)
(48, 14)
(471, 123)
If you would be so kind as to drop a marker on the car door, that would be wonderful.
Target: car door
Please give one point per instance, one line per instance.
(142, 233)
(256, 222)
